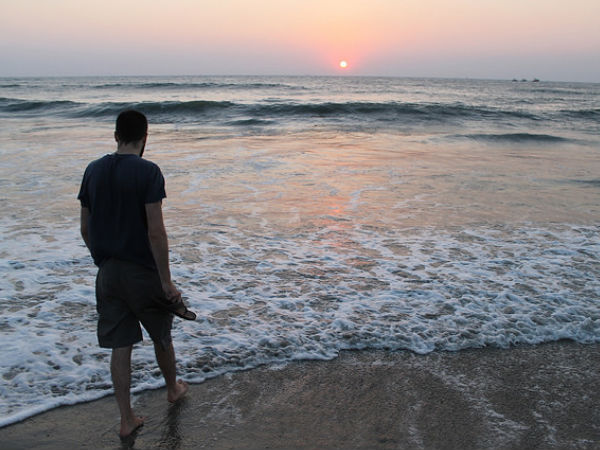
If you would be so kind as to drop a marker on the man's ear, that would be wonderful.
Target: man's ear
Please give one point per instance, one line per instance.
(116, 137)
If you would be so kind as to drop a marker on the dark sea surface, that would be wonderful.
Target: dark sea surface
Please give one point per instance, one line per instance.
(306, 215)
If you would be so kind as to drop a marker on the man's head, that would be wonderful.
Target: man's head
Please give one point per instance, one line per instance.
(132, 127)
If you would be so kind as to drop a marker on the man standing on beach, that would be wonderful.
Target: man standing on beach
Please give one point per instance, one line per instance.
(122, 226)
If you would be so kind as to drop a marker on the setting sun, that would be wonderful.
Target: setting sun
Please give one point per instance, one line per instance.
(343, 64)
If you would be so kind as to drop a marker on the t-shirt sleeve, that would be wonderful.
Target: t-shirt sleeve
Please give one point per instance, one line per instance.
(83, 191)
(155, 191)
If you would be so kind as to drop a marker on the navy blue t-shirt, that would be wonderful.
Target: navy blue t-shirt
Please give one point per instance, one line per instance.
(116, 189)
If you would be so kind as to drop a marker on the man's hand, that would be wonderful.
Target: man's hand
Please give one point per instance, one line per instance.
(172, 293)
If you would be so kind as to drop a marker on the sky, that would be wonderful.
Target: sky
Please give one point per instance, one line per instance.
(495, 39)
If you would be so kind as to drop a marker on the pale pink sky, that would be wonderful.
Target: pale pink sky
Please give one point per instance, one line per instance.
(549, 39)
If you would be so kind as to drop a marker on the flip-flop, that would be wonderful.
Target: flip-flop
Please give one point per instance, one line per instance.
(176, 308)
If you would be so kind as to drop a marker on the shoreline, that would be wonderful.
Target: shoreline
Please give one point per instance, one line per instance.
(542, 396)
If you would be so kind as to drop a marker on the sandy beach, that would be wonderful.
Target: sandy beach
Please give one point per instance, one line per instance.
(543, 397)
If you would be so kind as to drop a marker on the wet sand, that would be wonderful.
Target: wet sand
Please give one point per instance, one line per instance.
(543, 397)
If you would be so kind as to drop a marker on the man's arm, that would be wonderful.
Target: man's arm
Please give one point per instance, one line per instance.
(160, 248)
(85, 214)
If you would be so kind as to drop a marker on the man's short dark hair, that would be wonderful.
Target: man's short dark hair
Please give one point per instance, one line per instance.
(132, 126)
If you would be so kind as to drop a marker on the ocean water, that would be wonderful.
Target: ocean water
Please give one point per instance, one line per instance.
(306, 215)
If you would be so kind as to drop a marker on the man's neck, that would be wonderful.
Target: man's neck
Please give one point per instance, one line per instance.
(129, 149)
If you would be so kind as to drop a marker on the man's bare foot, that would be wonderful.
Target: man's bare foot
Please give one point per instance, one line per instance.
(129, 426)
(181, 387)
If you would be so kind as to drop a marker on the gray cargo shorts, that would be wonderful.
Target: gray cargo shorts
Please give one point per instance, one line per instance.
(127, 295)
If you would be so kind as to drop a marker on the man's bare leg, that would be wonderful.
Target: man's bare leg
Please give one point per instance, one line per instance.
(120, 370)
(166, 361)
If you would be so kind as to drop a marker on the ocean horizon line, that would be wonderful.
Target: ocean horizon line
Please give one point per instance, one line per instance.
(516, 78)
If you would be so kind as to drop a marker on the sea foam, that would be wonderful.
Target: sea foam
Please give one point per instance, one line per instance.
(447, 291)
